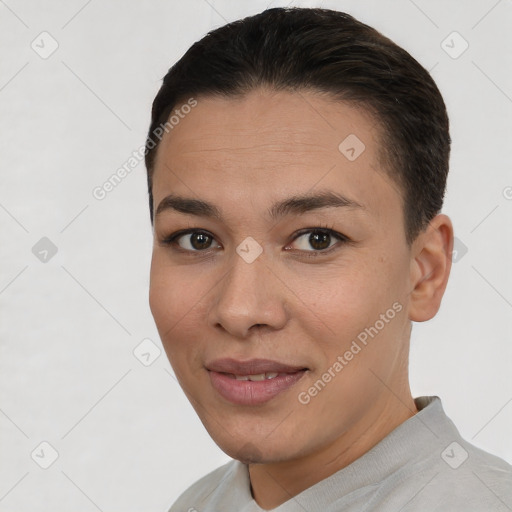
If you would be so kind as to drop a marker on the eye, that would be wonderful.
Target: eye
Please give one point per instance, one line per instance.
(190, 240)
(320, 239)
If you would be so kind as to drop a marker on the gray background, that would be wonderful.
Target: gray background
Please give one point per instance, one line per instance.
(126, 437)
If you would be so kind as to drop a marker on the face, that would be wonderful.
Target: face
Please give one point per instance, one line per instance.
(280, 252)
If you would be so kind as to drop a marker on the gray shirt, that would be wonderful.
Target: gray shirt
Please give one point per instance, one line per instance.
(422, 465)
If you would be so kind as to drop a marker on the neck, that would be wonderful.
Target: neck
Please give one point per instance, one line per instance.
(273, 484)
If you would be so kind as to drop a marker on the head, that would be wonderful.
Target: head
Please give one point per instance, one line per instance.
(297, 164)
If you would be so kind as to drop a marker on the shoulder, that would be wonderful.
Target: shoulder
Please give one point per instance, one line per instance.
(485, 474)
(445, 472)
(464, 478)
(198, 493)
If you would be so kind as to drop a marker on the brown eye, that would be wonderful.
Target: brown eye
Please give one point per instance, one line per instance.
(192, 241)
(318, 239)
(199, 241)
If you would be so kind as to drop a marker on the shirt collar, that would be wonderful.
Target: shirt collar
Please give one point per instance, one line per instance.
(412, 440)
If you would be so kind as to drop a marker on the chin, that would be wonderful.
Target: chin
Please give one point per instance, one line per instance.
(254, 451)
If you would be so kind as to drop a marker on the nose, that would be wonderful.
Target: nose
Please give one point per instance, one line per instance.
(250, 296)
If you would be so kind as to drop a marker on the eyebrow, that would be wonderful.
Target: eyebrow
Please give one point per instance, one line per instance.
(297, 205)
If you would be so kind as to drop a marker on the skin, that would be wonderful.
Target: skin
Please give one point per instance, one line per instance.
(242, 155)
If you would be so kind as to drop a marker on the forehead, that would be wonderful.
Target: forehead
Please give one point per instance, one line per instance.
(268, 144)
(302, 121)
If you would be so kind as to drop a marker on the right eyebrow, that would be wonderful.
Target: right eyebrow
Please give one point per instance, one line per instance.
(188, 206)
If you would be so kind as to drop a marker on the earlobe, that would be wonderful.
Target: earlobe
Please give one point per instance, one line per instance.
(430, 268)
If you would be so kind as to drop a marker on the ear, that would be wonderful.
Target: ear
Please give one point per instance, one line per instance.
(431, 262)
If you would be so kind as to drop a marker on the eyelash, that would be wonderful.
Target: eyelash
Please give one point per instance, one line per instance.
(172, 239)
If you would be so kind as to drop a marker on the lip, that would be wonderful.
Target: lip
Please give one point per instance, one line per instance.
(251, 366)
(246, 392)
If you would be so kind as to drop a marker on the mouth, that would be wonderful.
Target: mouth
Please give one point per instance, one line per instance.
(252, 382)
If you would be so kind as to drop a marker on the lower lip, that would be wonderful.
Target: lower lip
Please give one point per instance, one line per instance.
(247, 392)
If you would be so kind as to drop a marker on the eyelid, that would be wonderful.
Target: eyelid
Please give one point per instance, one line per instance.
(342, 240)
(321, 229)
(171, 240)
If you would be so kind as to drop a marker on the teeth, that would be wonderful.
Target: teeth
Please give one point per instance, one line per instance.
(260, 376)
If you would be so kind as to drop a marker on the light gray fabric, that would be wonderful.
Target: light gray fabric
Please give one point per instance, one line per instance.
(419, 466)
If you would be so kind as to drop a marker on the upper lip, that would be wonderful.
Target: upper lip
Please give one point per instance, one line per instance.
(251, 366)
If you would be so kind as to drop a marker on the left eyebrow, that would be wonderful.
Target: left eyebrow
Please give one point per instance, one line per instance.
(301, 204)
(296, 205)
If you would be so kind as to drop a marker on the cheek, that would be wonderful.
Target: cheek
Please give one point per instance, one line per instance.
(342, 299)
(162, 297)
(169, 300)
(347, 305)
(177, 300)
